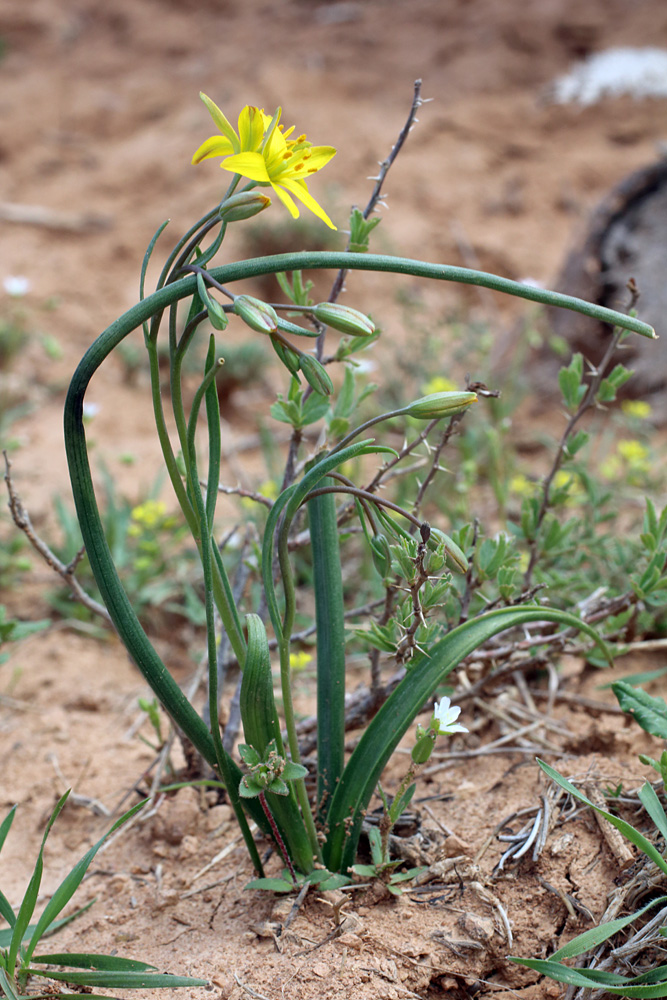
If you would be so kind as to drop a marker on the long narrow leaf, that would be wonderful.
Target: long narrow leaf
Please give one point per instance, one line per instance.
(330, 622)
(7, 912)
(590, 978)
(83, 960)
(387, 728)
(634, 836)
(596, 935)
(6, 825)
(7, 986)
(120, 980)
(653, 807)
(27, 907)
(649, 712)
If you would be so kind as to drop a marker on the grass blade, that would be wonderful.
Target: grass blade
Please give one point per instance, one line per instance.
(120, 980)
(83, 960)
(27, 907)
(651, 803)
(5, 825)
(70, 884)
(7, 986)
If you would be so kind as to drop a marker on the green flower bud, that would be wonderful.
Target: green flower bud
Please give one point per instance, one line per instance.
(344, 319)
(440, 404)
(456, 557)
(289, 358)
(243, 205)
(257, 314)
(316, 375)
(423, 748)
(216, 313)
(381, 554)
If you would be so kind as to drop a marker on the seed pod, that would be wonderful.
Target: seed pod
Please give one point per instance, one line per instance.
(423, 748)
(257, 314)
(215, 311)
(316, 375)
(290, 358)
(440, 404)
(258, 707)
(344, 319)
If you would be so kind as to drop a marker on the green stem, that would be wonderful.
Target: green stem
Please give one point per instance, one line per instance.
(213, 699)
(165, 442)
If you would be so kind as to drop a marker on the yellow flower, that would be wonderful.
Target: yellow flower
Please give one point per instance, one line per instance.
(633, 451)
(439, 383)
(253, 123)
(284, 165)
(299, 661)
(148, 514)
(636, 408)
(522, 485)
(569, 482)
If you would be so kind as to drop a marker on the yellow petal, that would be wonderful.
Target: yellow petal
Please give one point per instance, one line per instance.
(216, 145)
(251, 129)
(220, 120)
(250, 165)
(287, 201)
(300, 191)
(317, 157)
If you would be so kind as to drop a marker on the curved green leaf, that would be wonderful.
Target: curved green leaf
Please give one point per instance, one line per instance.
(649, 712)
(387, 728)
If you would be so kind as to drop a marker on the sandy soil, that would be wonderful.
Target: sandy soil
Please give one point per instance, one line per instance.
(100, 118)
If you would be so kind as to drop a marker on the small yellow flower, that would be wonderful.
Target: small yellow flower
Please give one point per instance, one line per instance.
(631, 462)
(284, 165)
(439, 383)
(522, 485)
(569, 481)
(299, 661)
(633, 451)
(636, 408)
(148, 515)
(269, 489)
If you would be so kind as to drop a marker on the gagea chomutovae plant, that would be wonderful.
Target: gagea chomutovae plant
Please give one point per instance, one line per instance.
(314, 819)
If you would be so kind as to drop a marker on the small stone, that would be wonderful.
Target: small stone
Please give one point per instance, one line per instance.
(320, 969)
(476, 927)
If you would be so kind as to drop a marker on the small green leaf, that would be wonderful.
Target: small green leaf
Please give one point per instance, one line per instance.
(649, 712)
(271, 884)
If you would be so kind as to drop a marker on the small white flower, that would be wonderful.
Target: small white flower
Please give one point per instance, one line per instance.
(444, 718)
(16, 285)
(90, 410)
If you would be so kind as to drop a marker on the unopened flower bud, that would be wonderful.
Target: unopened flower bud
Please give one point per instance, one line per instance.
(216, 313)
(423, 748)
(381, 554)
(243, 205)
(440, 404)
(289, 358)
(316, 375)
(455, 555)
(344, 319)
(257, 314)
